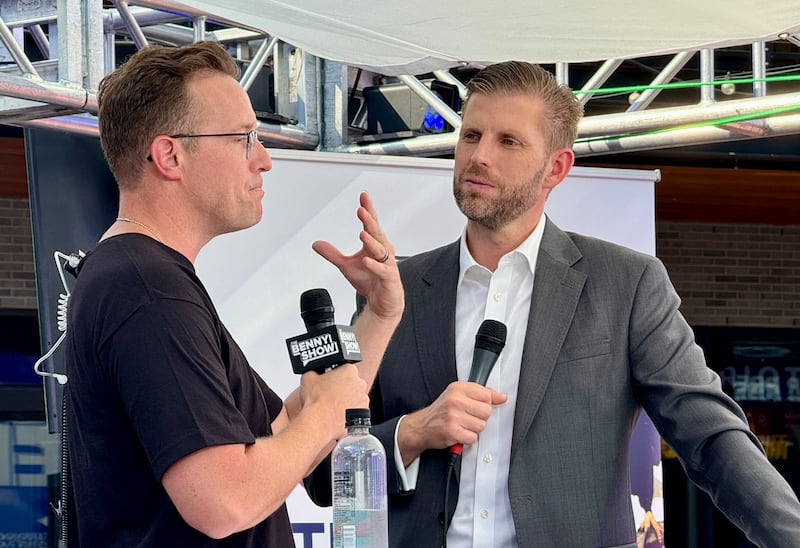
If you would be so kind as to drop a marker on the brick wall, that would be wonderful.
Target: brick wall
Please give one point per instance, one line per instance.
(726, 274)
(734, 274)
(17, 276)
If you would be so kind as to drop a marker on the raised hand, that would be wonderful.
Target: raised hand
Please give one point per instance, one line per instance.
(372, 270)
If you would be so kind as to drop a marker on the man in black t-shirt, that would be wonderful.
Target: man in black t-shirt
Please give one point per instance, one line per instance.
(174, 440)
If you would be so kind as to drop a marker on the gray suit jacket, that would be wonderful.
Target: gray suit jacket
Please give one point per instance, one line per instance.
(604, 341)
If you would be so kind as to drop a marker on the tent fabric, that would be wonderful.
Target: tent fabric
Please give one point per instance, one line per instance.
(414, 36)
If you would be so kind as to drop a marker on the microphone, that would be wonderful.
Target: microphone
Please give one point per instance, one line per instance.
(326, 345)
(489, 342)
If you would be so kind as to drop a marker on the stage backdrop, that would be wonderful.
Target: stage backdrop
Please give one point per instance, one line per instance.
(256, 276)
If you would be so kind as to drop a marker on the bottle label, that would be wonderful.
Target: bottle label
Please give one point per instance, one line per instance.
(349, 536)
(365, 529)
(344, 501)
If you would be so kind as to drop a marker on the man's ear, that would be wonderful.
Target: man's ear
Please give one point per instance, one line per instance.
(164, 157)
(558, 167)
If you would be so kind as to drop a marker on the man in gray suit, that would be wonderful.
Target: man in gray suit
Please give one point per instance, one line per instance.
(594, 338)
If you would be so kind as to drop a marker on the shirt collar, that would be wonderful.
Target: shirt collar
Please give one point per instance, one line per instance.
(529, 249)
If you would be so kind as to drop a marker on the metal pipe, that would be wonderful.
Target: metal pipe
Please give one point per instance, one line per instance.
(36, 89)
(450, 116)
(562, 73)
(93, 43)
(110, 51)
(40, 39)
(79, 124)
(145, 17)
(199, 26)
(425, 145)
(131, 24)
(598, 79)
(791, 38)
(706, 75)
(264, 51)
(179, 35)
(773, 127)
(7, 37)
(759, 70)
(667, 73)
(611, 124)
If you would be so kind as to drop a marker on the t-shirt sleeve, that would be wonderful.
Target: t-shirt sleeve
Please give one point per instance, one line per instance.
(272, 400)
(166, 363)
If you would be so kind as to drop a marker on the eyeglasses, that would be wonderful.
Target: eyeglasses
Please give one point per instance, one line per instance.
(252, 137)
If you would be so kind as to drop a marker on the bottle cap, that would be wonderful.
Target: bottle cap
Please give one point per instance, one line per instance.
(353, 416)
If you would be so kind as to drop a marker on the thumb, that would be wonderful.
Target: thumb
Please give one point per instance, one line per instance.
(498, 397)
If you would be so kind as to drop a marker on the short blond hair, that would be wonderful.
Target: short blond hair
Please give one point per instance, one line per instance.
(562, 110)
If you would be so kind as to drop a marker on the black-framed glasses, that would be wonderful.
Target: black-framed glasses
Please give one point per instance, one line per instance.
(251, 136)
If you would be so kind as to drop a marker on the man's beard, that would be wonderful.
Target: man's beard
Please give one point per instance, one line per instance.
(495, 213)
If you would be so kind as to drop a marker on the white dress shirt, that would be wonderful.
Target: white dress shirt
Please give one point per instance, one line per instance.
(483, 513)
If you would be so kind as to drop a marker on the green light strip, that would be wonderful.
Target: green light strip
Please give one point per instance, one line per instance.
(681, 85)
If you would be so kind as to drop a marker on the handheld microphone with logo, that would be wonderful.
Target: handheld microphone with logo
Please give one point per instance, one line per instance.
(489, 342)
(326, 345)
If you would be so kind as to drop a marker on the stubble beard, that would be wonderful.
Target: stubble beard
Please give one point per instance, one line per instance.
(495, 213)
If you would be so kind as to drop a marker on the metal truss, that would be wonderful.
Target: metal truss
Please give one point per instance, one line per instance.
(55, 52)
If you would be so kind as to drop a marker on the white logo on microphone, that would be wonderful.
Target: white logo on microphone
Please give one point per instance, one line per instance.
(317, 347)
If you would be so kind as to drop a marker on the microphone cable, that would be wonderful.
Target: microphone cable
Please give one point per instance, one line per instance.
(451, 464)
(70, 263)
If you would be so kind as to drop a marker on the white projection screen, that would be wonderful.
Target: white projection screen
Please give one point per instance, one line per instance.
(256, 276)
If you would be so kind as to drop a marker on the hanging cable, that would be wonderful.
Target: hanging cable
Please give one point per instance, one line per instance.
(70, 263)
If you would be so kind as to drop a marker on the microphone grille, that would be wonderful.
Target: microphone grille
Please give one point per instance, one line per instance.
(316, 307)
(491, 336)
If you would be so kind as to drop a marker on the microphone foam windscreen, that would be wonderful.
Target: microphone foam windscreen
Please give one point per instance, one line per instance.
(491, 336)
(316, 307)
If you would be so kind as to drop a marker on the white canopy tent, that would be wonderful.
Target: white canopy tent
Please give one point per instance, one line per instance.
(416, 36)
(588, 44)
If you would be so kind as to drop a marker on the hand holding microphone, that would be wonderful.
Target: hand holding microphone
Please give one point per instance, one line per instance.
(325, 345)
(330, 349)
(489, 342)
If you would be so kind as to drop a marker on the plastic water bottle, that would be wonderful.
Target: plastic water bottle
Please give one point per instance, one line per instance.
(359, 486)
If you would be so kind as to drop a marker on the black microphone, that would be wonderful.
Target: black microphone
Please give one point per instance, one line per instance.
(326, 345)
(489, 342)
(316, 309)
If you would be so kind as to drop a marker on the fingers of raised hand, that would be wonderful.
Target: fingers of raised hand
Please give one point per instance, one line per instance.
(378, 249)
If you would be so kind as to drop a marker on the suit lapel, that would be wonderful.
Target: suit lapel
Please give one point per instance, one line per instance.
(556, 290)
(435, 335)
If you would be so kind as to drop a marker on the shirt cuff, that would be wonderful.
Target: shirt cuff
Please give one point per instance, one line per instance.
(407, 475)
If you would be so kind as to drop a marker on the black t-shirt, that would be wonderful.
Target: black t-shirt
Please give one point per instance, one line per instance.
(153, 377)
